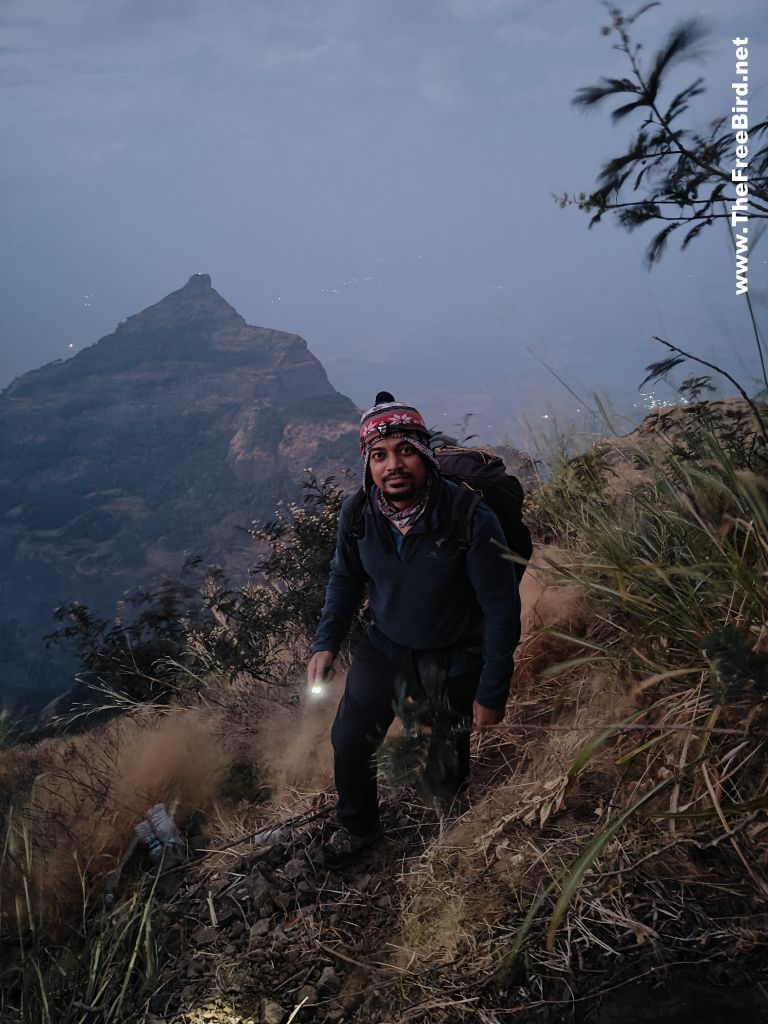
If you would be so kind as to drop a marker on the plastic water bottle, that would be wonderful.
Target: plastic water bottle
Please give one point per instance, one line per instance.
(163, 826)
(153, 845)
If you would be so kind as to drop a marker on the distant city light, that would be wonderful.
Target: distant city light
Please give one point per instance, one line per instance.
(650, 401)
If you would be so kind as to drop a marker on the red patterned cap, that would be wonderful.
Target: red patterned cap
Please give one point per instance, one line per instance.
(387, 417)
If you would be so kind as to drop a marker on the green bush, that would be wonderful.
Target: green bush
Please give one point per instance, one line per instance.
(266, 627)
(171, 640)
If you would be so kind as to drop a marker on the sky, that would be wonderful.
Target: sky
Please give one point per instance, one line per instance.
(374, 175)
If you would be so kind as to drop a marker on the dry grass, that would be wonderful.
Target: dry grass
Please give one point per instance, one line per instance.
(295, 743)
(85, 794)
(544, 789)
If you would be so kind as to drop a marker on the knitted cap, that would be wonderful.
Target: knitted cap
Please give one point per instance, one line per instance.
(387, 416)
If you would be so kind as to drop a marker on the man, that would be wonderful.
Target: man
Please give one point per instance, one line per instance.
(440, 613)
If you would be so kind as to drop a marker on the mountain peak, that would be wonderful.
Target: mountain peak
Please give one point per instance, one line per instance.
(197, 283)
(198, 293)
(197, 301)
(162, 438)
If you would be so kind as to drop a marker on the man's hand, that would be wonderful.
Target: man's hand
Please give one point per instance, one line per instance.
(483, 718)
(319, 667)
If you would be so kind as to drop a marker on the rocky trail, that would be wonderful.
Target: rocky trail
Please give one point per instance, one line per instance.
(261, 934)
(258, 931)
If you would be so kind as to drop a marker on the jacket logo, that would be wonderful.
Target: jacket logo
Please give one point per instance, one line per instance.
(438, 551)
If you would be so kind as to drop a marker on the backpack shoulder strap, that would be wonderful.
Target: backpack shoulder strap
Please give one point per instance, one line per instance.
(357, 515)
(465, 501)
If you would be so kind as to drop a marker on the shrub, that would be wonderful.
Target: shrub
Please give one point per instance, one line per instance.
(266, 627)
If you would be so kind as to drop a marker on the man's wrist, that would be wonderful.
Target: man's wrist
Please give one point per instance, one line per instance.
(491, 707)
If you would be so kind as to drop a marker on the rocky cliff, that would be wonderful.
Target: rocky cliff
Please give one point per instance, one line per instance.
(160, 440)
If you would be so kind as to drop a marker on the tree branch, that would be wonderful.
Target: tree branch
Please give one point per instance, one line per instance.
(724, 373)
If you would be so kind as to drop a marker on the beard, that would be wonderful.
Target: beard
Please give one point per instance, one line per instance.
(405, 491)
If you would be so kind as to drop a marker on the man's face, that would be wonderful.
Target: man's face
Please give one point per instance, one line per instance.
(398, 470)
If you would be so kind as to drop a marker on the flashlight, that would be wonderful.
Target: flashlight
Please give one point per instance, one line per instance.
(320, 686)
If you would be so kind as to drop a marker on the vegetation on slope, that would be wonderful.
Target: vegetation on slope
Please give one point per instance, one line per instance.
(617, 822)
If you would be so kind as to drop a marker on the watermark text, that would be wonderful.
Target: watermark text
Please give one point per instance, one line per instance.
(740, 169)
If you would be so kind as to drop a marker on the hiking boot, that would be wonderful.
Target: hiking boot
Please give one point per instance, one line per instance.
(344, 845)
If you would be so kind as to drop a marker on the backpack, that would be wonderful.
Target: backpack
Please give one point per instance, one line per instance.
(482, 476)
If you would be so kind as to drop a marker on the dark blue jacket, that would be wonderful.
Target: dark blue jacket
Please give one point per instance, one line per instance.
(431, 595)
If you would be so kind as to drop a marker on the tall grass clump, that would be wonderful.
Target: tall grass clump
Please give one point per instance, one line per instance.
(666, 532)
(103, 964)
(678, 558)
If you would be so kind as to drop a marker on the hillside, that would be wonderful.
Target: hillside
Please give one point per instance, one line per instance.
(163, 439)
(610, 864)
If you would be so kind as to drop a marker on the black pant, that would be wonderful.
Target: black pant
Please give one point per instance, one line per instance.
(364, 715)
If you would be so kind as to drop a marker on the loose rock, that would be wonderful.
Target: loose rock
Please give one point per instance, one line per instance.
(204, 935)
(259, 929)
(306, 992)
(271, 1012)
(295, 868)
(328, 980)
